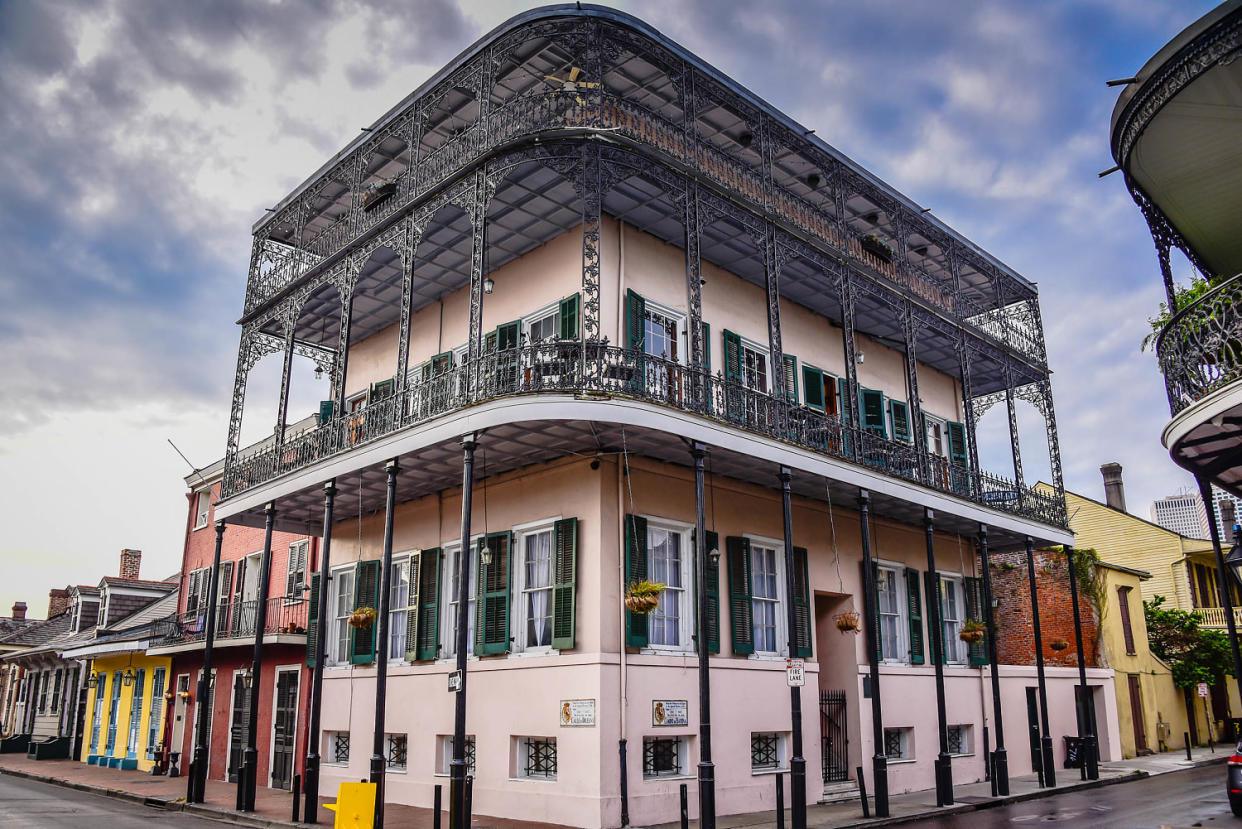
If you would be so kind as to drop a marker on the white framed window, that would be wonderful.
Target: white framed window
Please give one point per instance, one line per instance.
(960, 740)
(202, 508)
(767, 562)
(937, 437)
(894, 623)
(532, 589)
(898, 744)
(448, 632)
(356, 402)
(666, 756)
(542, 325)
(336, 748)
(398, 607)
(753, 360)
(536, 758)
(670, 626)
(767, 751)
(444, 765)
(396, 751)
(952, 615)
(341, 603)
(295, 575)
(663, 332)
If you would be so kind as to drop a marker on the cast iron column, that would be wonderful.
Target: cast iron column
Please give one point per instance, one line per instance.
(310, 780)
(1045, 740)
(457, 767)
(797, 763)
(381, 647)
(250, 765)
(707, 771)
(1086, 730)
(944, 762)
(198, 780)
(1000, 761)
(879, 762)
(1222, 579)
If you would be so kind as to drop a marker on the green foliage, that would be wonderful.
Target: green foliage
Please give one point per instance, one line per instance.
(1193, 653)
(1184, 296)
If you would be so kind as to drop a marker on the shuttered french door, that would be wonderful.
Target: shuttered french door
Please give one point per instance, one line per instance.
(237, 728)
(284, 729)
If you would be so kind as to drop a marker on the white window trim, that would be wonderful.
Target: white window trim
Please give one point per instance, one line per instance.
(782, 754)
(404, 557)
(388, 735)
(745, 343)
(907, 756)
(688, 771)
(903, 612)
(291, 599)
(551, 310)
(202, 516)
(958, 646)
(328, 757)
(519, 773)
(930, 419)
(679, 322)
(685, 633)
(353, 398)
(334, 629)
(448, 622)
(782, 609)
(517, 583)
(445, 758)
(968, 736)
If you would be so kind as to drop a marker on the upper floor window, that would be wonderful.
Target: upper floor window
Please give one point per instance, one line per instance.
(892, 609)
(937, 442)
(754, 366)
(534, 588)
(952, 615)
(202, 510)
(295, 579)
(660, 333)
(767, 591)
(341, 602)
(398, 608)
(543, 325)
(452, 559)
(669, 626)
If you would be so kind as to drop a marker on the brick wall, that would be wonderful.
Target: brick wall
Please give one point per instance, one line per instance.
(131, 563)
(57, 601)
(1015, 637)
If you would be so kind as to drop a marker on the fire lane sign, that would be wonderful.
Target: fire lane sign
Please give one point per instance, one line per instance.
(795, 672)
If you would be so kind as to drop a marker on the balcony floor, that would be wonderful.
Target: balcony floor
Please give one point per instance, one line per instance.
(1206, 438)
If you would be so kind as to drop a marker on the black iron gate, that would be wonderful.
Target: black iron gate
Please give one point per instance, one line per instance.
(834, 742)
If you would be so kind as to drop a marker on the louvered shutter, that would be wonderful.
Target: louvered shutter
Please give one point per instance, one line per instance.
(873, 624)
(975, 610)
(569, 317)
(412, 606)
(732, 357)
(843, 396)
(191, 593)
(741, 615)
(932, 593)
(802, 605)
(428, 604)
(914, 605)
(711, 542)
(873, 411)
(312, 623)
(204, 589)
(507, 336)
(292, 577)
(900, 417)
(635, 313)
(565, 580)
(957, 444)
(707, 348)
(789, 377)
(223, 592)
(326, 407)
(813, 387)
(366, 594)
(380, 391)
(492, 602)
(635, 570)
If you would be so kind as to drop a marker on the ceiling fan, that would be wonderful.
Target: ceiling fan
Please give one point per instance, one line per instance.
(573, 85)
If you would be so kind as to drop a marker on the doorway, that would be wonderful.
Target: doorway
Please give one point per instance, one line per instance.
(1136, 715)
(179, 711)
(285, 727)
(834, 742)
(237, 725)
(1032, 729)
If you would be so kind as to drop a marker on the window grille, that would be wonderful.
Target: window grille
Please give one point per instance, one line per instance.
(470, 756)
(661, 756)
(446, 751)
(764, 751)
(397, 750)
(896, 746)
(540, 757)
(957, 739)
(340, 746)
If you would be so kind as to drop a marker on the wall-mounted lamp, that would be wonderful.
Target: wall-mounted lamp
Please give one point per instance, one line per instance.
(247, 678)
(128, 678)
(92, 681)
(318, 372)
(489, 285)
(714, 555)
(485, 555)
(859, 357)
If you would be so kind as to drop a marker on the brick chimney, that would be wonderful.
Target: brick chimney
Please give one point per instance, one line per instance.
(57, 601)
(19, 610)
(1114, 490)
(131, 561)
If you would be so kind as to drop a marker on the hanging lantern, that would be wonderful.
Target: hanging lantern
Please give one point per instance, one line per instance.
(128, 678)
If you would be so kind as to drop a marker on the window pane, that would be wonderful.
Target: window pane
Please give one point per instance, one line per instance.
(538, 589)
(664, 566)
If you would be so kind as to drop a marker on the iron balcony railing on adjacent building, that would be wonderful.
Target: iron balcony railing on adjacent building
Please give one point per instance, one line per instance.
(238, 620)
(573, 367)
(1200, 349)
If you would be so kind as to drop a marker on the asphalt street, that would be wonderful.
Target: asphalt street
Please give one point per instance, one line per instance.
(31, 803)
(1191, 798)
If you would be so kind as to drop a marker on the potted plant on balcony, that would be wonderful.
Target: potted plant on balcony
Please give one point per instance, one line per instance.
(643, 596)
(877, 247)
(1209, 316)
(377, 191)
(972, 632)
(362, 618)
(848, 622)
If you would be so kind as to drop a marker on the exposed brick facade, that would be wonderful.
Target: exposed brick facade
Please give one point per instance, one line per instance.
(1015, 636)
(131, 563)
(57, 602)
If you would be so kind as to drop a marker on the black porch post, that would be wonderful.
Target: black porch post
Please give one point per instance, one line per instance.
(1045, 740)
(879, 761)
(381, 647)
(1000, 761)
(1222, 579)
(1086, 729)
(944, 762)
(707, 771)
(457, 768)
(797, 763)
(198, 780)
(310, 780)
(250, 765)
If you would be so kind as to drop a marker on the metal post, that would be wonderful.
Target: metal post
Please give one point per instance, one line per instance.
(251, 761)
(944, 762)
(457, 767)
(1045, 740)
(1222, 579)
(311, 787)
(797, 763)
(1086, 731)
(381, 646)
(780, 800)
(436, 808)
(1000, 761)
(198, 780)
(879, 762)
(707, 771)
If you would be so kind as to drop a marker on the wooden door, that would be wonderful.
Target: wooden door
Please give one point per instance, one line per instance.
(1136, 715)
(284, 729)
(237, 728)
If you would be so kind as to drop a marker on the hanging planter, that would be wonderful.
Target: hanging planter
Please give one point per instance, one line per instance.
(972, 632)
(376, 192)
(643, 596)
(877, 247)
(848, 622)
(362, 618)
(1058, 644)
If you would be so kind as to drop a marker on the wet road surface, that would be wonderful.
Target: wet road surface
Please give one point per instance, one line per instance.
(32, 803)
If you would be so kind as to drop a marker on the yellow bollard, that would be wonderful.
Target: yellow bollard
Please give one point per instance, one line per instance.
(354, 806)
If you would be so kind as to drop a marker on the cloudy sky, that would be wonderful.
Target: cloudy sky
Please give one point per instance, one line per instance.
(140, 139)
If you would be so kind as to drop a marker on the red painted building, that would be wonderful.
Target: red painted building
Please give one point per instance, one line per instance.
(285, 680)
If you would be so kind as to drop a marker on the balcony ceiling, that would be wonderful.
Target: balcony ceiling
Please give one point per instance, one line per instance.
(1206, 438)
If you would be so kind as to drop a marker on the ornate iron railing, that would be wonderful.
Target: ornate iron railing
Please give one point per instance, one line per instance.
(598, 369)
(1200, 349)
(239, 620)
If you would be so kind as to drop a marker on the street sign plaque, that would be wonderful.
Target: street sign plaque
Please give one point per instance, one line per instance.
(1203, 689)
(795, 672)
(454, 682)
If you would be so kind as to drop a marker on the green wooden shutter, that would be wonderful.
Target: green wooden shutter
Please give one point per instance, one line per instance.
(843, 396)
(428, 605)
(900, 417)
(931, 590)
(508, 335)
(732, 356)
(326, 408)
(635, 570)
(957, 444)
(381, 391)
(424, 371)
(789, 377)
(489, 341)
(366, 594)
(813, 387)
(802, 605)
(569, 318)
(707, 348)
(975, 610)
(873, 411)
(914, 603)
(635, 313)
(741, 618)
(565, 580)
(411, 608)
(873, 624)
(312, 623)
(712, 542)
(492, 602)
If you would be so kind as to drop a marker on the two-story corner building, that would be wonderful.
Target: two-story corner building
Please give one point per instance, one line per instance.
(581, 251)
(282, 721)
(11, 673)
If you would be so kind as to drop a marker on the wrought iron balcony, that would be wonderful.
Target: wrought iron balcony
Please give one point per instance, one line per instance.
(238, 620)
(1200, 349)
(572, 367)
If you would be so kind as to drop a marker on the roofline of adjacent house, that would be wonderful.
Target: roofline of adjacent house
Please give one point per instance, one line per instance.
(1128, 515)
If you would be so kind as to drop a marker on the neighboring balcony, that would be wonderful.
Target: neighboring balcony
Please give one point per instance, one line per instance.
(236, 623)
(598, 371)
(1215, 617)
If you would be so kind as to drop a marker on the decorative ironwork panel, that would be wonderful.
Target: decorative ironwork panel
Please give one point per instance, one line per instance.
(834, 742)
(661, 756)
(340, 746)
(765, 751)
(957, 739)
(894, 745)
(396, 750)
(540, 757)
(1200, 349)
(591, 197)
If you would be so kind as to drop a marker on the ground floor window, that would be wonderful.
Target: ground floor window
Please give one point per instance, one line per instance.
(337, 747)
(767, 751)
(959, 739)
(897, 744)
(446, 753)
(396, 749)
(538, 757)
(663, 757)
